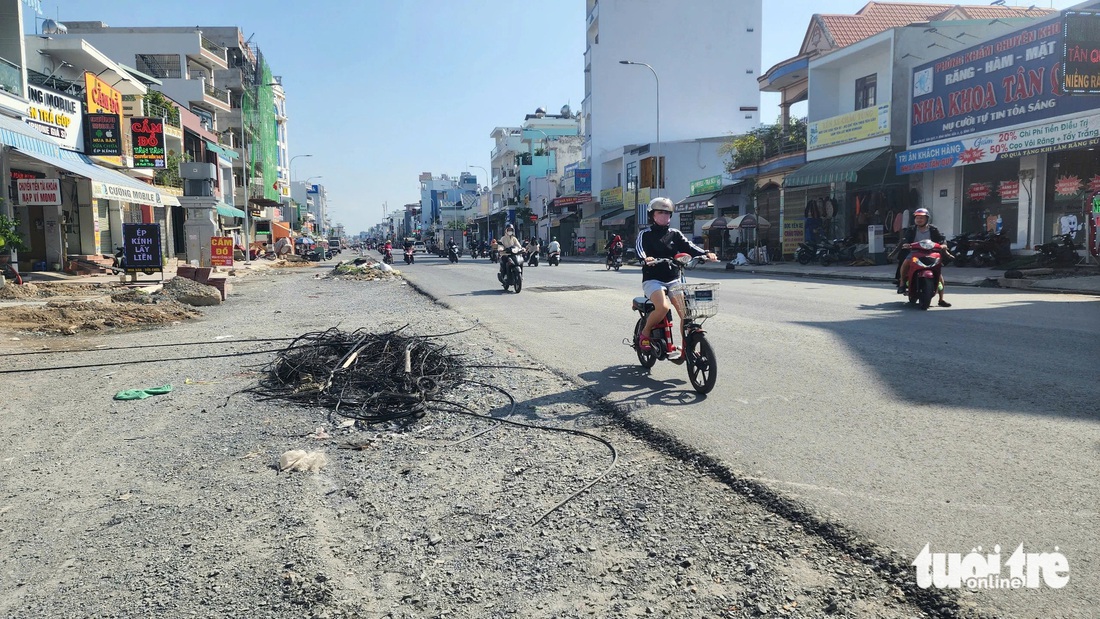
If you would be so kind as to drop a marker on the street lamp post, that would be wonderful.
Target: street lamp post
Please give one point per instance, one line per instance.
(657, 146)
(291, 165)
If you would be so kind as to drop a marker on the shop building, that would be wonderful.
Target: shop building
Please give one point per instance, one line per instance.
(854, 72)
(1003, 133)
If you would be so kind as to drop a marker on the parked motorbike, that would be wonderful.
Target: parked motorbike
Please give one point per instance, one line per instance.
(554, 259)
(513, 269)
(959, 247)
(836, 250)
(924, 273)
(988, 250)
(409, 258)
(1059, 251)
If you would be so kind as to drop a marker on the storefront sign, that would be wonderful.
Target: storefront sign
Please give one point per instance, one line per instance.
(1067, 185)
(55, 115)
(611, 197)
(705, 185)
(107, 191)
(25, 174)
(1009, 191)
(1073, 133)
(148, 139)
(101, 97)
(572, 200)
(634, 197)
(794, 232)
(977, 192)
(221, 251)
(141, 242)
(852, 127)
(1094, 184)
(1007, 82)
(39, 191)
(1081, 53)
(102, 135)
(582, 180)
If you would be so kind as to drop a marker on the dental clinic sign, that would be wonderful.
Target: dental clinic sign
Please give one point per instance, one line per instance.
(1007, 82)
(57, 116)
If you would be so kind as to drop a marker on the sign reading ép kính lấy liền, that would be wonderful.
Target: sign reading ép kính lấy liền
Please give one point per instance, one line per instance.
(141, 243)
(148, 142)
(38, 191)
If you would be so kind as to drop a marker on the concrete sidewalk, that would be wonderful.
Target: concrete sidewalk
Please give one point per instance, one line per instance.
(1085, 280)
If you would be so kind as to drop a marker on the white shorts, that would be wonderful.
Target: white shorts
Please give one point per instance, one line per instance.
(650, 286)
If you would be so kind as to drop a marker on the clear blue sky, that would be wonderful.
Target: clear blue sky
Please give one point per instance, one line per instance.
(379, 91)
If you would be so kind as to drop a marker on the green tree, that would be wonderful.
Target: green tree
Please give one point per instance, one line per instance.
(9, 235)
(764, 143)
(156, 98)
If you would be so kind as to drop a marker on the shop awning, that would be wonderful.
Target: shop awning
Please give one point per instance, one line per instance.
(228, 153)
(696, 202)
(598, 216)
(229, 211)
(619, 220)
(842, 169)
(108, 184)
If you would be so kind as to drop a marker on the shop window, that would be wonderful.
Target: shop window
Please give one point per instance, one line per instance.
(1073, 178)
(866, 89)
(991, 199)
(631, 174)
(649, 172)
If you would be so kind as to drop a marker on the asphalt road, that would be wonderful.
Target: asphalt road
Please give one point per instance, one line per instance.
(963, 427)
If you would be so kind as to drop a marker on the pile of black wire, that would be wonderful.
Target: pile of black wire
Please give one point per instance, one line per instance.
(371, 377)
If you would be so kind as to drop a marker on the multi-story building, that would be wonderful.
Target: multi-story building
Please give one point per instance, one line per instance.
(704, 61)
(223, 79)
(505, 187)
(445, 201)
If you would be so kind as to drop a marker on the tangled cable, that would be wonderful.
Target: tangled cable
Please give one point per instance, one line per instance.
(371, 377)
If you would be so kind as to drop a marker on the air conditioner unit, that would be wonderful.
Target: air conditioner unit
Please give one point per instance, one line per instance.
(197, 171)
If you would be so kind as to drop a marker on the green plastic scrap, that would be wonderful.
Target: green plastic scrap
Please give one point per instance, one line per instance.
(141, 394)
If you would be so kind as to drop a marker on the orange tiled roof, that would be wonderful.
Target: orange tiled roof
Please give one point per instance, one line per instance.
(878, 17)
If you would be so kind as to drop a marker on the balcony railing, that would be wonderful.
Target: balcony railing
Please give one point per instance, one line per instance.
(211, 46)
(11, 78)
(215, 92)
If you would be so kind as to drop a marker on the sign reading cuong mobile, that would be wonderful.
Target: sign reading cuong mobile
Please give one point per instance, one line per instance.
(1011, 81)
(108, 191)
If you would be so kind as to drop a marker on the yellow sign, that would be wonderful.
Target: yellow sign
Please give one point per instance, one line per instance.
(859, 125)
(794, 232)
(629, 201)
(611, 197)
(101, 98)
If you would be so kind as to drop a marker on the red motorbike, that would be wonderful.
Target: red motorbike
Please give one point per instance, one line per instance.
(926, 263)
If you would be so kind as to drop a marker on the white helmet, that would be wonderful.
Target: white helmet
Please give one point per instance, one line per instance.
(660, 204)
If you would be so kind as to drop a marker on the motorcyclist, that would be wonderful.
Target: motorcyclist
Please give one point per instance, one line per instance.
(615, 249)
(656, 278)
(532, 250)
(506, 242)
(408, 245)
(554, 246)
(919, 231)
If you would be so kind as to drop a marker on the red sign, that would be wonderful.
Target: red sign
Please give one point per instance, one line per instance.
(148, 137)
(978, 191)
(1094, 184)
(1009, 190)
(25, 175)
(534, 217)
(221, 251)
(1067, 185)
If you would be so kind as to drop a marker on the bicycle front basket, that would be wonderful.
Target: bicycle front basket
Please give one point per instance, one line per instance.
(700, 300)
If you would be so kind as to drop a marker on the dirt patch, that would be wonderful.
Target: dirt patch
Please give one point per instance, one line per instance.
(72, 317)
(47, 290)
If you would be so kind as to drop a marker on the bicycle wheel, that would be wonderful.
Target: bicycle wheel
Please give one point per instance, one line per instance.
(702, 366)
(646, 359)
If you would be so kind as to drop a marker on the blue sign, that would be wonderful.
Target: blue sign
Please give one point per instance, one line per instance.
(582, 180)
(1005, 82)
